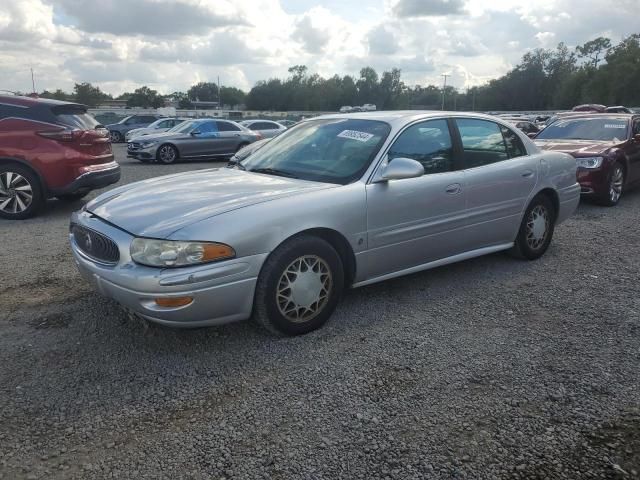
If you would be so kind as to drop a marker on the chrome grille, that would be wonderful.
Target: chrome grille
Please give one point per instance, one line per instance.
(95, 245)
(133, 146)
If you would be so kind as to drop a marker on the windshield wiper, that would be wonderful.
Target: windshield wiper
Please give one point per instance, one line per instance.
(274, 171)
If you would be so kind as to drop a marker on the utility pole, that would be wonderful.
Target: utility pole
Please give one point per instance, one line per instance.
(33, 83)
(444, 88)
(473, 101)
(219, 95)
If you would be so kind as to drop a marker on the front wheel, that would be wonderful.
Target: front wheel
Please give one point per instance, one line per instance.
(536, 229)
(616, 184)
(20, 193)
(167, 154)
(299, 286)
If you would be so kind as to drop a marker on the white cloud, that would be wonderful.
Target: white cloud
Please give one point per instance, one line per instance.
(169, 45)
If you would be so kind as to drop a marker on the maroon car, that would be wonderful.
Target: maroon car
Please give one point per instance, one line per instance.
(606, 148)
(50, 149)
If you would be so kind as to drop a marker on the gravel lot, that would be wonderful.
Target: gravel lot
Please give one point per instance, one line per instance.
(491, 368)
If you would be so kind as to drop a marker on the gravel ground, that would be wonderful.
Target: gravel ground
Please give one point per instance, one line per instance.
(490, 368)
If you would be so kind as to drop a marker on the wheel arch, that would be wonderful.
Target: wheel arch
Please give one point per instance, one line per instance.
(552, 195)
(30, 167)
(338, 242)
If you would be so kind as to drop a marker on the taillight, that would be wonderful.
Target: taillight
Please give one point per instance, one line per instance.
(62, 135)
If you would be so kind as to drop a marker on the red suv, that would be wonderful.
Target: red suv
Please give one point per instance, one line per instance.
(50, 149)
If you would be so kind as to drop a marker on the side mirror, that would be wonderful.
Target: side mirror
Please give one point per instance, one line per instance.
(401, 168)
(195, 133)
(532, 134)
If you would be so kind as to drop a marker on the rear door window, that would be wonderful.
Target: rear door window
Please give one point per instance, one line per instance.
(227, 127)
(515, 147)
(482, 142)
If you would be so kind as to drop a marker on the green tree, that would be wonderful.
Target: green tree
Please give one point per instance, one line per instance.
(232, 96)
(203, 92)
(594, 51)
(145, 97)
(87, 94)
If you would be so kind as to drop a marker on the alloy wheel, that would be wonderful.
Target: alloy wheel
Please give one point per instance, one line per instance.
(303, 289)
(114, 137)
(537, 227)
(16, 193)
(615, 187)
(167, 154)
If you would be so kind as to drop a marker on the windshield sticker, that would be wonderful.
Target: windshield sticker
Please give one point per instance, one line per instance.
(355, 135)
(614, 125)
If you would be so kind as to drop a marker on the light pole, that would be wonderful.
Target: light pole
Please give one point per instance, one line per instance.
(444, 88)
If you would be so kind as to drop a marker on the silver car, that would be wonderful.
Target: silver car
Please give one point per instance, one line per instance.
(266, 128)
(159, 126)
(338, 201)
(192, 139)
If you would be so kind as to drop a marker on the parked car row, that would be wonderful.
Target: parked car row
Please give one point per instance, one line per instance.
(367, 107)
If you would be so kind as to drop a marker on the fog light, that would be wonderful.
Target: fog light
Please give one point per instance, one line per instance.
(173, 302)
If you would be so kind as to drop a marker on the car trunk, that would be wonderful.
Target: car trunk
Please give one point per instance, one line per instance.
(86, 134)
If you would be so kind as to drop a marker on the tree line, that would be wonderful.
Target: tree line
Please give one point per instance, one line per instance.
(545, 79)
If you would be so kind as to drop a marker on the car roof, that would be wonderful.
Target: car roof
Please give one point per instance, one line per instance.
(592, 115)
(402, 117)
(23, 101)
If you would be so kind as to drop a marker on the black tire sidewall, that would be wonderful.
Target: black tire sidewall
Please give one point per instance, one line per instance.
(605, 199)
(521, 241)
(38, 197)
(280, 259)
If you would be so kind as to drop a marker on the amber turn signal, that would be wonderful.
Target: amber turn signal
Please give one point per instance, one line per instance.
(216, 251)
(173, 302)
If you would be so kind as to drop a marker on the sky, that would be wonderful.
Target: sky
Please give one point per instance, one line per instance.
(169, 45)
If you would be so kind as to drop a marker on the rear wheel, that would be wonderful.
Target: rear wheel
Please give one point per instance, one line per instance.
(616, 184)
(167, 154)
(536, 229)
(20, 193)
(299, 286)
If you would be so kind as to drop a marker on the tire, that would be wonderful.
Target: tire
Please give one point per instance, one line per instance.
(167, 154)
(20, 193)
(615, 186)
(116, 137)
(73, 197)
(532, 242)
(285, 311)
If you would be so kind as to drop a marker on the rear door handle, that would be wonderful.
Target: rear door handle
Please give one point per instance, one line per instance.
(527, 173)
(453, 188)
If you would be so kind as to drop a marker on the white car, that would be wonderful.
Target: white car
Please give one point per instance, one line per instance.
(159, 126)
(266, 128)
(346, 109)
(369, 107)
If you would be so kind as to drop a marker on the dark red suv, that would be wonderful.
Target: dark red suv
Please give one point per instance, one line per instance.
(606, 147)
(50, 149)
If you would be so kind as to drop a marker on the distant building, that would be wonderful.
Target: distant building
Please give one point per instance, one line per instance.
(113, 104)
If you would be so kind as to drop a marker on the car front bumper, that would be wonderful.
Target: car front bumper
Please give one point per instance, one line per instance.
(148, 153)
(593, 181)
(222, 292)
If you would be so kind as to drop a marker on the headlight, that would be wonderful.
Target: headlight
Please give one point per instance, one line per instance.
(167, 253)
(589, 162)
(147, 144)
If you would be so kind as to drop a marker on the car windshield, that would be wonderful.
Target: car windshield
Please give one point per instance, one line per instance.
(184, 127)
(330, 150)
(603, 129)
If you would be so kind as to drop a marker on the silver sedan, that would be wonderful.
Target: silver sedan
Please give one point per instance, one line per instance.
(202, 138)
(338, 201)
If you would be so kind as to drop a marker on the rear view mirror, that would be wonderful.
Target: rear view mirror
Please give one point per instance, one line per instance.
(532, 134)
(401, 168)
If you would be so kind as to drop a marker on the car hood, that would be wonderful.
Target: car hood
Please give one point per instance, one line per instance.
(577, 148)
(164, 136)
(161, 206)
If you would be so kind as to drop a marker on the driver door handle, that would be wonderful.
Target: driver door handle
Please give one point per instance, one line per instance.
(527, 173)
(453, 188)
